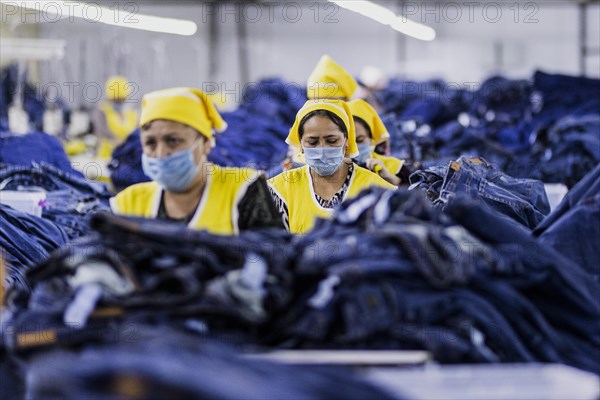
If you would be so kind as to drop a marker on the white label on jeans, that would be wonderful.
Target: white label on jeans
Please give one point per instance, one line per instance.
(84, 303)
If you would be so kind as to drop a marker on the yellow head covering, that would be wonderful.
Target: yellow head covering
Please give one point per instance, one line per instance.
(363, 110)
(186, 105)
(339, 108)
(117, 88)
(330, 80)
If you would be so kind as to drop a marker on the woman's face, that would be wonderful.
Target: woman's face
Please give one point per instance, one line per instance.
(320, 131)
(362, 135)
(164, 138)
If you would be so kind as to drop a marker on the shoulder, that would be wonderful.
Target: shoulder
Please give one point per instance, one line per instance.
(366, 178)
(289, 176)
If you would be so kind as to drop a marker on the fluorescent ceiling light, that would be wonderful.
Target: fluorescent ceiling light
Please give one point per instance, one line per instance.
(386, 16)
(94, 13)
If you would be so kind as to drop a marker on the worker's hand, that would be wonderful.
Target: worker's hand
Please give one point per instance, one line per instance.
(378, 167)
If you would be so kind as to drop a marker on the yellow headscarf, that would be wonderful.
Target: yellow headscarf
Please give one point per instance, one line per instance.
(364, 111)
(186, 105)
(330, 80)
(117, 88)
(339, 108)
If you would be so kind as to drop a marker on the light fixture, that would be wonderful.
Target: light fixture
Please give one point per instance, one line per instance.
(116, 17)
(386, 16)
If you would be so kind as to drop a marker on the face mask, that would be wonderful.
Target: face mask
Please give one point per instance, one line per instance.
(175, 172)
(364, 150)
(324, 160)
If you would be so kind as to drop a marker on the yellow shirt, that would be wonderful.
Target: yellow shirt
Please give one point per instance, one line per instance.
(296, 190)
(120, 124)
(392, 164)
(217, 211)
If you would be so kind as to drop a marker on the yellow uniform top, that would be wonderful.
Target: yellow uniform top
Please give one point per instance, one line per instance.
(217, 211)
(294, 195)
(392, 164)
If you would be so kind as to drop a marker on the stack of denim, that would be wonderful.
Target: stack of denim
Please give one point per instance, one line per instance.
(573, 228)
(26, 240)
(169, 365)
(255, 136)
(392, 271)
(522, 200)
(158, 273)
(70, 201)
(34, 147)
(543, 128)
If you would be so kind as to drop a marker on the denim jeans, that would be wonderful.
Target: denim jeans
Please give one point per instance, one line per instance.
(523, 200)
(27, 239)
(171, 365)
(572, 225)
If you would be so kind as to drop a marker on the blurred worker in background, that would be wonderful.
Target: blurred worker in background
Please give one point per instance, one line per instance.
(370, 132)
(113, 120)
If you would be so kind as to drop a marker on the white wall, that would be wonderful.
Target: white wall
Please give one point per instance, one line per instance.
(285, 45)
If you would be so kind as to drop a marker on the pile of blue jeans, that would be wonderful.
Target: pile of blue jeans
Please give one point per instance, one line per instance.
(392, 271)
(170, 365)
(545, 128)
(154, 272)
(70, 201)
(573, 228)
(522, 200)
(389, 271)
(34, 147)
(255, 136)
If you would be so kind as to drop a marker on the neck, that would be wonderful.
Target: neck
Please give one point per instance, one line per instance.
(324, 185)
(186, 202)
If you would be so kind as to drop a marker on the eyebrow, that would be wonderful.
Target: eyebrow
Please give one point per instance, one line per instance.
(171, 135)
(318, 137)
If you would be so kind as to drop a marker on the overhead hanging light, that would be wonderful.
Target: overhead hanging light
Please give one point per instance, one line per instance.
(386, 16)
(108, 16)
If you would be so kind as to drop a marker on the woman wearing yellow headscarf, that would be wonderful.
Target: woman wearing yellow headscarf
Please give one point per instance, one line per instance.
(177, 135)
(324, 132)
(370, 131)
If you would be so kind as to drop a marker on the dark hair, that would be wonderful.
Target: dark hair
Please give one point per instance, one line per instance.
(323, 113)
(364, 124)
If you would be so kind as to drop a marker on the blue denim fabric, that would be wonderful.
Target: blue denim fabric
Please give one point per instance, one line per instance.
(500, 299)
(37, 147)
(49, 178)
(573, 225)
(523, 200)
(126, 164)
(27, 239)
(170, 365)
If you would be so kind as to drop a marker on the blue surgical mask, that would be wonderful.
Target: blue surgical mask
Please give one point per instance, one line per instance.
(364, 150)
(324, 160)
(174, 173)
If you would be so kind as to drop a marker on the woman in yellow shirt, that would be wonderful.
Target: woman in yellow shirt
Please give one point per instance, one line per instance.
(324, 132)
(177, 136)
(370, 131)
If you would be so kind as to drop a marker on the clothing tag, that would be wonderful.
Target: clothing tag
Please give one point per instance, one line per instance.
(325, 292)
(78, 312)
